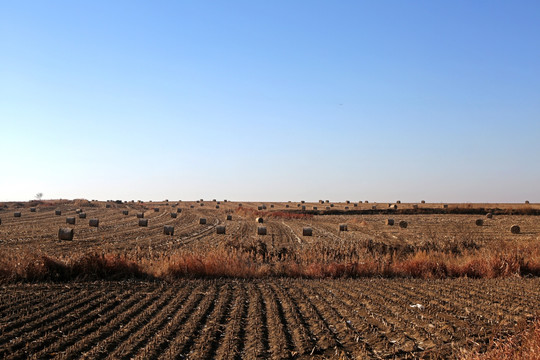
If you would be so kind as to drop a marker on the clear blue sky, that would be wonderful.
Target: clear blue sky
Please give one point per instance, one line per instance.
(270, 100)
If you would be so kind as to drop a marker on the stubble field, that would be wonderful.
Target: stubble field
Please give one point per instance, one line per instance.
(373, 291)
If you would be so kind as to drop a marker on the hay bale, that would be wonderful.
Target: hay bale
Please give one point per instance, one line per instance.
(229, 217)
(373, 207)
(82, 215)
(298, 205)
(240, 205)
(287, 205)
(143, 222)
(17, 214)
(302, 201)
(70, 220)
(479, 222)
(403, 224)
(346, 208)
(272, 205)
(423, 201)
(220, 229)
(168, 230)
(174, 215)
(192, 206)
(307, 231)
(398, 202)
(32, 209)
(214, 200)
(392, 206)
(321, 201)
(366, 202)
(202, 221)
(57, 212)
(343, 227)
(489, 215)
(202, 204)
(217, 206)
(347, 201)
(78, 211)
(219, 202)
(264, 207)
(355, 205)
(94, 222)
(260, 220)
(303, 207)
(259, 208)
(65, 234)
(261, 230)
(156, 209)
(327, 201)
(125, 212)
(140, 215)
(179, 210)
(314, 208)
(445, 206)
(415, 206)
(515, 229)
(390, 222)
(527, 202)
(108, 206)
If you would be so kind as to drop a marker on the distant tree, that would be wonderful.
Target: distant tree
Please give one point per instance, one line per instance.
(39, 196)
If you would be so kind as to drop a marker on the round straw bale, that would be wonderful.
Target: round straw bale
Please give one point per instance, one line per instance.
(321, 201)
(143, 222)
(178, 210)
(260, 220)
(259, 208)
(17, 214)
(70, 220)
(515, 229)
(202, 204)
(240, 205)
(191, 206)
(65, 234)
(202, 221)
(423, 201)
(314, 208)
(366, 202)
(78, 211)
(403, 224)
(125, 212)
(287, 205)
(392, 206)
(348, 201)
(168, 230)
(32, 209)
(82, 215)
(214, 200)
(264, 207)
(271, 205)
(479, 222)
(174, 215)
(302, 201)
(140, 215)
(390, 222)
(94, 222)
(229, 217)
(398, 202)
(342, 227)
(489, 215)
(261, 230)
(307, 231)
(327, 201)
(156, 209)
(346, 208)
(298, 205)
(219, 202)
(220, 229)
(217, 206)
(355, 205)
(57, 212)
(445, 206)
(373, 207)
(527, 202)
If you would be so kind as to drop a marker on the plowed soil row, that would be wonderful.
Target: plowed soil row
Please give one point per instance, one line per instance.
(256, 319)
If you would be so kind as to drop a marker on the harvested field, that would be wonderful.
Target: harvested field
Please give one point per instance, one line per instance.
(283, 318)
(121, 291)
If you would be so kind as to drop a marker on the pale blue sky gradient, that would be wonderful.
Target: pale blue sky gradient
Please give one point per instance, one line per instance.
(270, 100)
